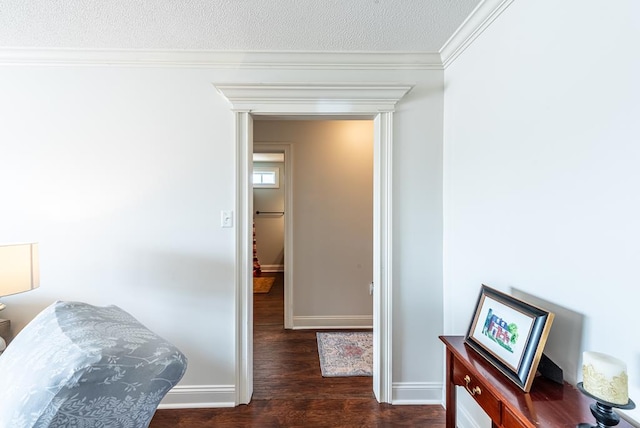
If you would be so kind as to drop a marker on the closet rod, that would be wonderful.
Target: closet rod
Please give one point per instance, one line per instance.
(270, 212)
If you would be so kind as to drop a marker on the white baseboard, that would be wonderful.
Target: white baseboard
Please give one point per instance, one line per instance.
(199, 396)
(215, 396)
(416, 393)
(331, 322)
(272, 268)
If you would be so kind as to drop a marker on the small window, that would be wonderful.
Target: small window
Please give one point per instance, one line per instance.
(266, 177)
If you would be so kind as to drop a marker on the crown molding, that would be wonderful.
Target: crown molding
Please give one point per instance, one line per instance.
(321, 98)
(481, 17)
(223, 59)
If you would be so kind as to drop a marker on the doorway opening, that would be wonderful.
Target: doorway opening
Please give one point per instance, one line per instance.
(327, 218)
(272, 214)
(315, 216)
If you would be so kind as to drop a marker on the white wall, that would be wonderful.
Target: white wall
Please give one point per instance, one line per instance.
(541, 172)
(121, 171)
(116, 172)
(332, 173)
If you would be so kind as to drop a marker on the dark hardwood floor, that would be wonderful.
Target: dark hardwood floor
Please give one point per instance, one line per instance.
(289, 391)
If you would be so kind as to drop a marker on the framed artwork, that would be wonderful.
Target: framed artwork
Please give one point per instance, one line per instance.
(510, 334)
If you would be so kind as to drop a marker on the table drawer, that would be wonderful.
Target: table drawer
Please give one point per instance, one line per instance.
(509, 420)
(489, 402)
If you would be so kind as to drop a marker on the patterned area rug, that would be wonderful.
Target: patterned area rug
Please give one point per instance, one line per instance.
(346, 353)
(263, 284)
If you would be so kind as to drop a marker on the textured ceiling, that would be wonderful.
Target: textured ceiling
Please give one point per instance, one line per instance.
(229, 25)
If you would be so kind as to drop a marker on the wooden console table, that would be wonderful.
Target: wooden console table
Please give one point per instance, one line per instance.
(548, 405)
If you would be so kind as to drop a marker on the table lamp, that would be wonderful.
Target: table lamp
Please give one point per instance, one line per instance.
(19, 270)
(604, 378)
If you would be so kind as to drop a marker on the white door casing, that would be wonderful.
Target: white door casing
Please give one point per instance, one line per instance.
(344, 100)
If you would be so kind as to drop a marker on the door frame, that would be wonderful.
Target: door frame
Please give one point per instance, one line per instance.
(328, 100)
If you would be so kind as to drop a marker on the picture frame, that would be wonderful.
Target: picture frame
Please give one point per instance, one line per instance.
(510, 334)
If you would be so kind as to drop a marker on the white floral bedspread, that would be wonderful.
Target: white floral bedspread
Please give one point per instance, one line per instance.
(78, 365)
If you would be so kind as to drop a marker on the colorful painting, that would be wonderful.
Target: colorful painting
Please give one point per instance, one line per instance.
(503, 333)
(510, 334)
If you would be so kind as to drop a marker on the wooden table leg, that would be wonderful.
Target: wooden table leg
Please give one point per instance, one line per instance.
(451, 393)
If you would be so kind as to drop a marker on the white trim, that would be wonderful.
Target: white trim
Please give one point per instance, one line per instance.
(289, 254)
(478, 21)
(244, 257)
(417, 393)
(313, 99)
(200, 396)
(271, 268)
(272, 99)
(259, 157)
(332, 322)
(310, 60)
(382, 257)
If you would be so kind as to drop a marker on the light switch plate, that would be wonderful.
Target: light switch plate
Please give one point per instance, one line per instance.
(226, 218)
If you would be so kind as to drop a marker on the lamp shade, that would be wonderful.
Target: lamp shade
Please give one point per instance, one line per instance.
(19, 269)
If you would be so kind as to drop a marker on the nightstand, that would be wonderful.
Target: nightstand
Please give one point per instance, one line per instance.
(547, 405)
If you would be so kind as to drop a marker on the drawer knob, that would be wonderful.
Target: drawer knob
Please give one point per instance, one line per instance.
(473, 391)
